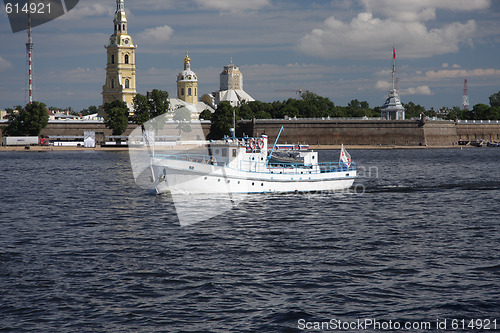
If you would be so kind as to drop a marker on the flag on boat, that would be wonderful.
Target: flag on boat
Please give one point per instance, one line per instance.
(345, 157)
(394, 51)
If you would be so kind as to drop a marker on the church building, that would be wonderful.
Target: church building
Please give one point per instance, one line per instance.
(187, 92)
(392, 108)
(120, 70)
(187, 83)
(230, 89)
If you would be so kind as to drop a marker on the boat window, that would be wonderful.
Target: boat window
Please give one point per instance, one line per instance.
(234, 152)
(224, 152)
(216, 151)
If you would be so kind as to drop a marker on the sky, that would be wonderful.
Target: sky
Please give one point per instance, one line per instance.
(340, 49)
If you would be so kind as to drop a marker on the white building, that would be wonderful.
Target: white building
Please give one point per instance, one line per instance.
(231, 88)
(187, 92)
(393, 109)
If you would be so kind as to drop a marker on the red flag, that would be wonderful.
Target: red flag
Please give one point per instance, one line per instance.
(394, 52)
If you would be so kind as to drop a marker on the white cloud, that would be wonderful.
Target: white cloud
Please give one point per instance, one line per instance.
(83, 10)
(369, 37)
(393, 22)
(456, 66)
(158, 34)
(445, 65)
(232, 5)
(4, 64)
(421, 90)
(461, 73)
(383, 85)
(421, 10)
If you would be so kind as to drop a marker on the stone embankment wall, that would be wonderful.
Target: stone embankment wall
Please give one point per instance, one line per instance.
(328, 131)
(372, 132)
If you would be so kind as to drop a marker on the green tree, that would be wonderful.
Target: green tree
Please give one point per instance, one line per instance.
(222, 121)
(454, 113)
(183, 117)
(29, 120)
(495, 100)
(245, 111)
(206, 115)
(141, 110)
(90, 110)
(116, 117)
(413, 110)
(481, 112)
(149, 107)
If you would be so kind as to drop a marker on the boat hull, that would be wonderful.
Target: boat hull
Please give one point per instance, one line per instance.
(182, 177)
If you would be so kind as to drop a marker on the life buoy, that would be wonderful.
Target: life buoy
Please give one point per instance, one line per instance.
(261, 143)
(252, 144)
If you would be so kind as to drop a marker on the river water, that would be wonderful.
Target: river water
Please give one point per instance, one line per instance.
(416, 240)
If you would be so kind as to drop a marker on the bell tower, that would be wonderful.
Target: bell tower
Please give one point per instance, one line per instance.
(187, 83)
(120, 70)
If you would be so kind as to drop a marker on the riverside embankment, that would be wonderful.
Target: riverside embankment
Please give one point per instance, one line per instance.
(323, 133)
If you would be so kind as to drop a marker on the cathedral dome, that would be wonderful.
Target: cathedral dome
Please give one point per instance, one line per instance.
(187, 75)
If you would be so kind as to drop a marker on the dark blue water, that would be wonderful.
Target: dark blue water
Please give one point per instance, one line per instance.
(83, 248)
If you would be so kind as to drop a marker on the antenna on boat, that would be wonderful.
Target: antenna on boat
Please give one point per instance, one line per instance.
(233, 130)
(274, 146)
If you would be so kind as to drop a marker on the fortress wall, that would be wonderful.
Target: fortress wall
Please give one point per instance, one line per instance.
(477, 131)
(440, 133)
(327, 132)
(349, 132)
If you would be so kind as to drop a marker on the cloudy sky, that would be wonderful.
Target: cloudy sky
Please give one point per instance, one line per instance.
(341, 49)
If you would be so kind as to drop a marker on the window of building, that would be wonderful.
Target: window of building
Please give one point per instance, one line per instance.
(112, 83)
(195, 92)
(126, 58)
(127, 83)
(189, 91)
(182, 91)
(112, 58)
(124, 27)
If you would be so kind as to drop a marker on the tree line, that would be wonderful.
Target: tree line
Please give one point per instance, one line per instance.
(32, 118)
(311, 105)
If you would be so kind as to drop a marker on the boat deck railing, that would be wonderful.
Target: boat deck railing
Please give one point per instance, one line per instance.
(195, 158)
(263, 167)
(296, 168)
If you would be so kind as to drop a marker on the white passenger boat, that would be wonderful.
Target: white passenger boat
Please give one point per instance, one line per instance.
(244, 166)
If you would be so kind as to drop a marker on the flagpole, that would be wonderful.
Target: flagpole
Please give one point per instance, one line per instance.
(393, 65)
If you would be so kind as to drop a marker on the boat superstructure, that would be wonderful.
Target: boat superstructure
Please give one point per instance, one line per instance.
(245, 166)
